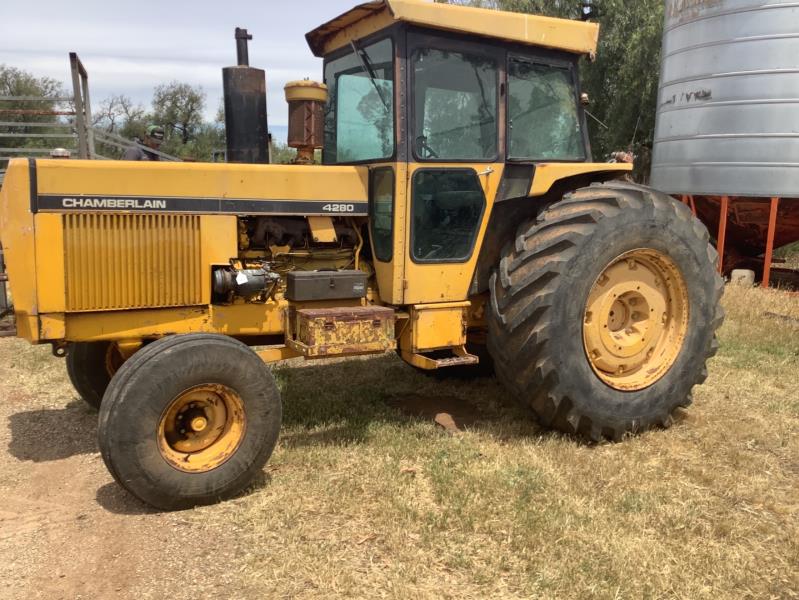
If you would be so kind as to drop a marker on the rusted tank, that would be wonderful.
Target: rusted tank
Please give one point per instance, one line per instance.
(727, 134)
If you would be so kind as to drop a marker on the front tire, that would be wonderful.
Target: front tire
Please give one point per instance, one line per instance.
(189, 420)
(603, 311)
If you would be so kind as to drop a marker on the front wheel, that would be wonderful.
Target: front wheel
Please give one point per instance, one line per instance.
(189, 420)
(604, 310)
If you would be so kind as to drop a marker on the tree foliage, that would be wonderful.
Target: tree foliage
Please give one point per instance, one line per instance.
(15, 82)
(179, 108)
(623, 80)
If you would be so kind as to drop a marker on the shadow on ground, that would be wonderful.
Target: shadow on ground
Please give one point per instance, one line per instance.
(338, 402)
(115, 499)
(327, 403)
(53, 434)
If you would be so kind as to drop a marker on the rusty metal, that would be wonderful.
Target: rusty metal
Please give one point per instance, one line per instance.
(306, 101)
(721, 239)
(246, 126)
(772, 229)
(747, 228)
(319, 332)
(35, 99)
(242, 52)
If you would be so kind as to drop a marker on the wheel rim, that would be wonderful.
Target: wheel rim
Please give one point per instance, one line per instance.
(113, 359)
(636, 319)
(202, 428)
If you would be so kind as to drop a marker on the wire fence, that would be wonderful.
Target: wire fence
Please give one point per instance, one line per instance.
(69, 126)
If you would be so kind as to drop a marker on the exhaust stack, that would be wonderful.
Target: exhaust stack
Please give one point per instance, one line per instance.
(246, 129)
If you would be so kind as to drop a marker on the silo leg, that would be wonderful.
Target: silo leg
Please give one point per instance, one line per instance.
(772, 230)
(722, 237)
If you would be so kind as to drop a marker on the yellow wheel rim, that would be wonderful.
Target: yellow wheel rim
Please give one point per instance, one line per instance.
(202, 428)
(636, 319)
(113, 359)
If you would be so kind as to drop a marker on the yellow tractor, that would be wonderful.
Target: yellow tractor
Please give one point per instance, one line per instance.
(457, 219)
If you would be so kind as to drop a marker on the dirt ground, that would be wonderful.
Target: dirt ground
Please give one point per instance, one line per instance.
(363, 500)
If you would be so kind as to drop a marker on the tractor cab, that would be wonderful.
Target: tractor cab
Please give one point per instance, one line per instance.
(454, 110)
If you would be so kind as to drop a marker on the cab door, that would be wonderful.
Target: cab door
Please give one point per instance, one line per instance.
(455, 163)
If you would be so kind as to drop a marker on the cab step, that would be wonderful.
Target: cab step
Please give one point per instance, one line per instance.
(460, 357)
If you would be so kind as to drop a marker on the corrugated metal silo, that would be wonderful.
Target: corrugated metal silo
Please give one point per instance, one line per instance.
(728, 109)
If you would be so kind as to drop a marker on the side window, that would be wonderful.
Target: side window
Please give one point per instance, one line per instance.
(543, 120)
(455, 106)
(381, 212)
(446, 212)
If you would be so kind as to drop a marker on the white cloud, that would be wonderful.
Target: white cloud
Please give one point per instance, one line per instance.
(129, 48)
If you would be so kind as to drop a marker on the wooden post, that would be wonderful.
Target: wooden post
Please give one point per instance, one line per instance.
(772, 230)
(722, 237)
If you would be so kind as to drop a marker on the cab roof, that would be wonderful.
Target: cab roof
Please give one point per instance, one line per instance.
(577, 37)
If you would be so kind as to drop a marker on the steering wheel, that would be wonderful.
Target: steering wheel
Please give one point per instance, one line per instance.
(422, 147)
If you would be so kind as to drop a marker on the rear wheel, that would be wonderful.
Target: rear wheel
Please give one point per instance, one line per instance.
(90, 366)
(189, 420)
(604, 310)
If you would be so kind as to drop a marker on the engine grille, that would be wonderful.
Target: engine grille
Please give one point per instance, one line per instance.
(116, 262)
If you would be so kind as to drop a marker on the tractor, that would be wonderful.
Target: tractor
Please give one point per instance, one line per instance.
(457, 219)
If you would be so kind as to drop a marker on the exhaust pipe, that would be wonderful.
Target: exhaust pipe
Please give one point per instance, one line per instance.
(246, 130)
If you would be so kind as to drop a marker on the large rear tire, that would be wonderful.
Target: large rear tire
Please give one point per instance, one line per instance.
(604, 311)
(189, 420)
(90, 366)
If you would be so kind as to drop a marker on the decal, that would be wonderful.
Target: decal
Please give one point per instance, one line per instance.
(81, 203)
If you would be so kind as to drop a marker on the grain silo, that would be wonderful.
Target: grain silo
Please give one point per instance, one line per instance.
(727, 134)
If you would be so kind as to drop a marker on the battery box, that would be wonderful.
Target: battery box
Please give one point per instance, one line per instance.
(309, 286)
(318, 332)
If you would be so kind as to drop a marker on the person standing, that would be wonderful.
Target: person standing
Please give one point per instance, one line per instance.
(153, 138)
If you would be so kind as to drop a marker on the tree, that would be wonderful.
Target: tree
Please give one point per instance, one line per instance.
(623, 80)
(119, 114)
(15, 82)
(178, 107)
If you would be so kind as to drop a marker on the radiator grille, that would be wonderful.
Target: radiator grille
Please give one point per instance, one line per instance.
(116, 262)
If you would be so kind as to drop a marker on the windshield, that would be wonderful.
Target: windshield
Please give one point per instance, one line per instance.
(359, 117)
(455, 97)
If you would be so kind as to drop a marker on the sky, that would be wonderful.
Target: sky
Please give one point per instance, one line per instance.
(131, 47)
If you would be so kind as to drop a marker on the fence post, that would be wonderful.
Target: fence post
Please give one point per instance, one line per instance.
(80, 115)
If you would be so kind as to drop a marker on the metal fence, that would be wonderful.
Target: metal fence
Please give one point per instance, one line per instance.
(72, 129)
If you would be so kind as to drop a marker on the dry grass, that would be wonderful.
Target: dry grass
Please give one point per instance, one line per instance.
(791, 255)
(361, 501)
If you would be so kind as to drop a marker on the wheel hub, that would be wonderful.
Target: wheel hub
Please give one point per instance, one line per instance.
(636, 319)
(201, 428)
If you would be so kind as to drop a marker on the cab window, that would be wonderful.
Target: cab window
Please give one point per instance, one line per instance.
(543, 119)
(359, 116)
(381, 212)
(455, 106)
